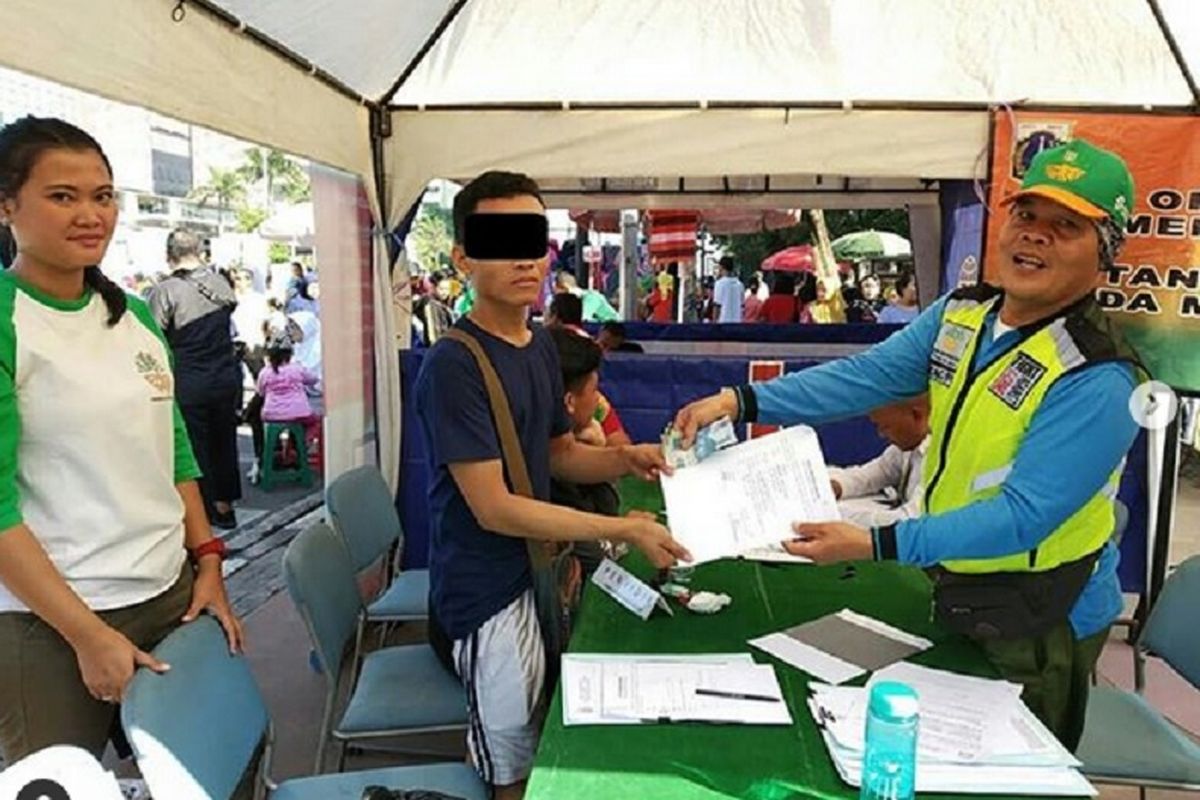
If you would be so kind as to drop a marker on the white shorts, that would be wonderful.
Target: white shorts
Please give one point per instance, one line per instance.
(503, 666)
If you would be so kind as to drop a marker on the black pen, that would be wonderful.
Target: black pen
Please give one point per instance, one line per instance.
(739, 696)
(674, 721)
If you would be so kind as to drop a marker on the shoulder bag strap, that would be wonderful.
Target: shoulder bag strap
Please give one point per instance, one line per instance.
(506, 429)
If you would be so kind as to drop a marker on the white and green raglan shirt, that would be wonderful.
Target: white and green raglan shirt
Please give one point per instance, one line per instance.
(91, 444)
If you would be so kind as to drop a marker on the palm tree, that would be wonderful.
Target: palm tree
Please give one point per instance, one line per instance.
(225, 186)
(433, 237)
(281, 175)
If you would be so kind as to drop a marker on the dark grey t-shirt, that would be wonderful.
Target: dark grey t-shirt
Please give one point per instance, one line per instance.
(194, 308)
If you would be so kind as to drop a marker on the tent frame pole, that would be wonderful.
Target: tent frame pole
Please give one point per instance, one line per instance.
(380, 131)
(987, 194)
(434, 36)
(796, 105)
(299, 61)
(1175, 51)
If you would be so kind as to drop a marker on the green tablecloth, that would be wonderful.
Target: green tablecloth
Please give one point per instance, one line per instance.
(669, 762)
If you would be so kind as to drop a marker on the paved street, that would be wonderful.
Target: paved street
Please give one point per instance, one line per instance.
(267, 521)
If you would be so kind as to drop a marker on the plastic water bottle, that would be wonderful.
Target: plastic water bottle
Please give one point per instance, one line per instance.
(890, 758)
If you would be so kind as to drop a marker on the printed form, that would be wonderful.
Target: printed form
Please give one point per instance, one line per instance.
(749, 496)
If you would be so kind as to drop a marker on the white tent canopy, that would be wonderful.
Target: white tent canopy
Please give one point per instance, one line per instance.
(783, 51)
(411, 90)
(201, 71)
(333, 58)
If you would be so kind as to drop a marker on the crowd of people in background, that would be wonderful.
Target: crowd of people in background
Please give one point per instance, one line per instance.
(193, 305)
(781, 297)
(857, 296)
(224, 330)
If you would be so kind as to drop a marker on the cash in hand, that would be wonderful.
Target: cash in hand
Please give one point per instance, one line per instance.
(709, 440)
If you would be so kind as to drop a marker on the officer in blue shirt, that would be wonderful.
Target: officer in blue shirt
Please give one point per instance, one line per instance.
(1031, 380)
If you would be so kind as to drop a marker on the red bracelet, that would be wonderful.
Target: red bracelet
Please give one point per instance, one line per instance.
(213, 546)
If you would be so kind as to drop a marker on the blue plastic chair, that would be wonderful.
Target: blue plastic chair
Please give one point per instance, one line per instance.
(201, 745)
(400, 690)
(1120, 524)
(1125, 739)
(362, 510)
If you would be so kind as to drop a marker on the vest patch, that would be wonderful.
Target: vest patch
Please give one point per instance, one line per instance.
(952, 342)
(1017, 380)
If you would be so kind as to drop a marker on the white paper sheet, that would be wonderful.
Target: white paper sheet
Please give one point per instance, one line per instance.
(624, 691)
(1012, 781)
(962, 687)
(804, 657)
(774, 554)
(1007, 730)
(757, 680)
(882, 628)
(863, 511)
(827, 666)
(749, 495)
(963, 719)
(975, 735)
(583, 681)
(947, 734)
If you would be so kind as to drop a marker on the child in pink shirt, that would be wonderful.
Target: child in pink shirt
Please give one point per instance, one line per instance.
(281, 383)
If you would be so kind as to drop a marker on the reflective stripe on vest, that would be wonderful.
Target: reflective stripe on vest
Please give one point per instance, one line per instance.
(977, 424)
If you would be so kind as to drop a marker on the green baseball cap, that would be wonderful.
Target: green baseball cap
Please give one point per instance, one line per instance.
(1084, 178)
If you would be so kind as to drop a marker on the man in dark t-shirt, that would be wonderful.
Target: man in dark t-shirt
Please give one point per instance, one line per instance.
(193, 306)
(482, 617)
(479, 573)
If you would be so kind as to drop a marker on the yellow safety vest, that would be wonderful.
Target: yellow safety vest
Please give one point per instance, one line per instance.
(977, 423)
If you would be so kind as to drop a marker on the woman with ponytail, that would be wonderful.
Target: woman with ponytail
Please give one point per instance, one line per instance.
(99, 509)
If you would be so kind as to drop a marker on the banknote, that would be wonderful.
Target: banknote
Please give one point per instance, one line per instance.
(709, 440)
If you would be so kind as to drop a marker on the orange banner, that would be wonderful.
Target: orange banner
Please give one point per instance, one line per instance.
(1154, 289)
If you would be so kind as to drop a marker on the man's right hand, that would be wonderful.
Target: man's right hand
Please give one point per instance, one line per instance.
(107, 661)
(695, 416)
(654, 540)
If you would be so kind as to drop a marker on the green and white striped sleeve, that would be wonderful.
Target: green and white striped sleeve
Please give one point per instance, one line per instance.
(186, 468)
(10, 422)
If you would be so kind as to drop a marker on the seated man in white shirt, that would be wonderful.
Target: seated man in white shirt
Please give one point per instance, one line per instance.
(887, 489)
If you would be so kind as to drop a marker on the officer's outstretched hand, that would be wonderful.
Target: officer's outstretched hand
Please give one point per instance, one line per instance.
(828, 542)
(695, 416)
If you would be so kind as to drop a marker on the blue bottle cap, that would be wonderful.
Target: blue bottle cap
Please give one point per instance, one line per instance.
(893, 702)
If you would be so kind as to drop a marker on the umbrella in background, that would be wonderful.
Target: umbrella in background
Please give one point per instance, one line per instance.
(800, 258)
(871, 244)
(724, 221)
(601, 221)
(672, 235)
(291, 224)
(719, 221)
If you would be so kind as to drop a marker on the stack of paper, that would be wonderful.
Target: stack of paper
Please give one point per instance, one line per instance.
(841, 646)
(869, 511)
(629, 690)
(773, 554)
(974, 736)
(749, 496)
